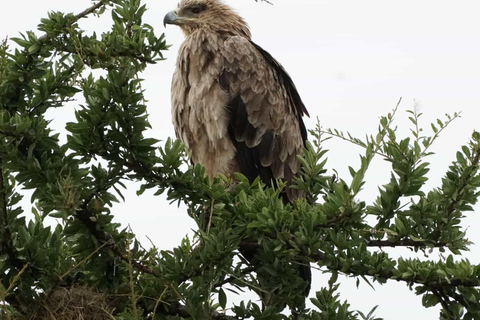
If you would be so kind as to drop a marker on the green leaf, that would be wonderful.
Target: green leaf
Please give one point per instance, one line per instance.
(105, 93)
(222, 298)
(429, 300)
(34, 48)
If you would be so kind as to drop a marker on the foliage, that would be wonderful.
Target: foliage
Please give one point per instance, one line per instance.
(78, 182)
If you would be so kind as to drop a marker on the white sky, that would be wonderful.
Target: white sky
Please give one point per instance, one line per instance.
(351, 62)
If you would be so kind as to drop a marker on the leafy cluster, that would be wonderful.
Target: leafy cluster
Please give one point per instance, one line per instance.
(79, 180)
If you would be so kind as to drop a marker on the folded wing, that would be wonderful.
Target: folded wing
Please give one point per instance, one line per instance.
(265, 113)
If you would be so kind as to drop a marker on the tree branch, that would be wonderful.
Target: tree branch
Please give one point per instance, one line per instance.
(452, 207)
(385, 274)
(6, 239)
(444, 301)
(405, 243)
(233, 278)
(81, 15)
(178, 309)
(105, 237)
(4, 201)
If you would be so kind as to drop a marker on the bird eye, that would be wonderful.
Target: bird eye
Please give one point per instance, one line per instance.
(197, 10)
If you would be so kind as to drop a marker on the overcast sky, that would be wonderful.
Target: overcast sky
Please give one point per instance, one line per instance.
(351, 62)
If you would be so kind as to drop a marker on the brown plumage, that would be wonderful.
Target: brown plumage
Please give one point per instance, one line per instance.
(233, 105)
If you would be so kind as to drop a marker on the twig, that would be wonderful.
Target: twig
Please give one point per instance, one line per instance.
(10, 287)
(133, 296)
(3, 199)
(444, 302)
(81, 15)
(405, 243)
(180, 310)
(179, 296)
(49, 311)
(83, 261)
(105, 237)
(453, 204)
(231, 278)
(253, 246)
(360, 143)
(437, 134)
(3, 57)
(158, 302)
(211, 216)
(249, 284)
(4, 294)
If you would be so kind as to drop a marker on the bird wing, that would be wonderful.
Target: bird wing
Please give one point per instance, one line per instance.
(265, 113)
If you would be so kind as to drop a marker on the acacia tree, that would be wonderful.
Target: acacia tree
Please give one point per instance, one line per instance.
(87, 265)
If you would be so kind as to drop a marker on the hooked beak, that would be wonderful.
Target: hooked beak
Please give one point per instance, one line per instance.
(170, 18)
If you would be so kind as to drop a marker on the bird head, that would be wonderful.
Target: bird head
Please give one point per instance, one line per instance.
(192, 15)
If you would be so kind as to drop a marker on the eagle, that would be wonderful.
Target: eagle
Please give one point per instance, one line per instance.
(234, 106)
